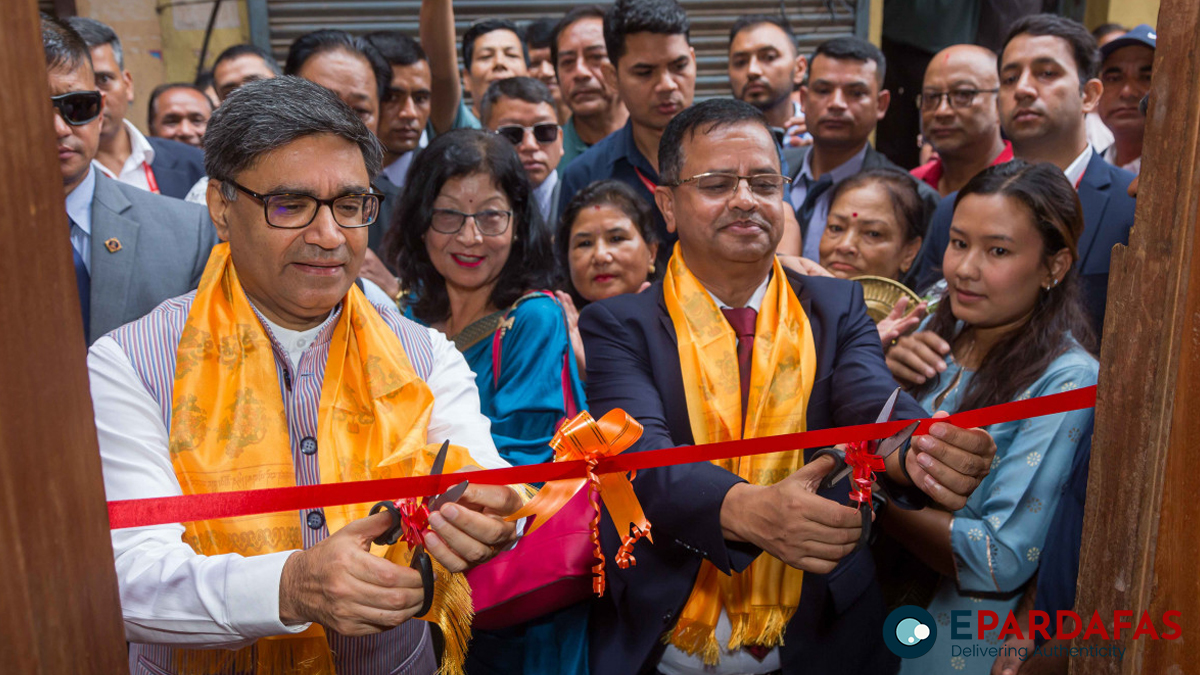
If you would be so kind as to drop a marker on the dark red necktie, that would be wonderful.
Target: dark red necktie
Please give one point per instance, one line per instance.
(742, 320)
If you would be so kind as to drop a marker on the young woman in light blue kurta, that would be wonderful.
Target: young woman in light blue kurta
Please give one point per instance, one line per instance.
(1017, 329)
(465, 245)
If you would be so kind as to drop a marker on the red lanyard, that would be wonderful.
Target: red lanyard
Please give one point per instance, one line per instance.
(150, 181)
(645, 181)
(1080, 179)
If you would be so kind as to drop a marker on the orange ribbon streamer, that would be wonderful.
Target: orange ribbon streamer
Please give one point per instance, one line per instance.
(591, 440)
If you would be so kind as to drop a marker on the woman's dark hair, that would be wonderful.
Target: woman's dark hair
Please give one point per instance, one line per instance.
(458, 153)
(901, 189)
(1020, 358)
(607, 192)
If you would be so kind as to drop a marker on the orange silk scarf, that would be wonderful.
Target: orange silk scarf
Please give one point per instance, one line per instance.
(761, 600)
(229, 432)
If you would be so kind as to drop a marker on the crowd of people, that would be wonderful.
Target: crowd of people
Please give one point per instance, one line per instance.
(535, 221)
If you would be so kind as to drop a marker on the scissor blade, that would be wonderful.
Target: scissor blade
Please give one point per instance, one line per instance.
(890, 444)
(439, 462)
(449, 496)
(837, 476)
(885, 415)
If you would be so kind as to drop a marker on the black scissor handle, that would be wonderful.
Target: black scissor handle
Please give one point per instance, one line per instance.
(833, 477)
(422, 563)
(392, 534)
(839, 458)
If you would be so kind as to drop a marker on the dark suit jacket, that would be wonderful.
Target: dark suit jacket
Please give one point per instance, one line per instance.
(1107, 219)
(633, 364)
(794, 157)
(177, 166)
(164, 246)
(378, 229)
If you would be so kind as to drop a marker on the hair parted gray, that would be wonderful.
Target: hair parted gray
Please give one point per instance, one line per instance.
(265, 115)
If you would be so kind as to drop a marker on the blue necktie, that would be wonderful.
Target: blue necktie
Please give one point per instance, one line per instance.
(84, 281)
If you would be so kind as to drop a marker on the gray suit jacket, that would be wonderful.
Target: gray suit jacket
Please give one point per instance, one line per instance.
(873, 160)
(162, 245)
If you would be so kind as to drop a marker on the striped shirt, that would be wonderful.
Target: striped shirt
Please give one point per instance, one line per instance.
(173, 598)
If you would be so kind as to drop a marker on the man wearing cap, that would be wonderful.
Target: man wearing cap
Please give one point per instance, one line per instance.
(1125, 73)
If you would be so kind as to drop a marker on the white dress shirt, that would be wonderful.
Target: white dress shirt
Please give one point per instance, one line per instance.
(815, 227)
(141, 155)
(740, 662)
(169, 593)
(1075, 169)
(79, 210)
(1110, 156)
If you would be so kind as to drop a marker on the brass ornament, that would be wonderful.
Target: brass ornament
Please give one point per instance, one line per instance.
(882, 294)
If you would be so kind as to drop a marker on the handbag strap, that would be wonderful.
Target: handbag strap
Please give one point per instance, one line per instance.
(503, 324)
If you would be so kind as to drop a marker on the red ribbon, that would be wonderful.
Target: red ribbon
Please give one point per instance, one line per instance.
(185, 508)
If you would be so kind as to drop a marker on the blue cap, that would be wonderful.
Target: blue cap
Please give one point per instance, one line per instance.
(1141, 35)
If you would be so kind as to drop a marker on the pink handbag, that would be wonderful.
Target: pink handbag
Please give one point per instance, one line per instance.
(548, 570)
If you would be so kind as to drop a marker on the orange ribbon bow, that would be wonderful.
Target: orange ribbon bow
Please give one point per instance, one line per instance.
(591, 440)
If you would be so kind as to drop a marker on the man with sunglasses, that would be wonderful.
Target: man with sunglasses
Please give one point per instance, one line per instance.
(730, 345)
(522, 110)
(132, 249)
(156, 164)
(959, 117)
(312, 383)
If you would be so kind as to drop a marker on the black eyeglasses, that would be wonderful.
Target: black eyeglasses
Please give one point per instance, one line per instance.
(489, 222)
(718, 184)
(287, 211)
(78, 107)
(959, 98)
(542, 133)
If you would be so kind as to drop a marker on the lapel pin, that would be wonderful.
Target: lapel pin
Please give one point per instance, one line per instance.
(113, 245)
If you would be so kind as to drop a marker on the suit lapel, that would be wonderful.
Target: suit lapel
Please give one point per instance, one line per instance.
(663, 315)
(112, 272)
(1093, 195)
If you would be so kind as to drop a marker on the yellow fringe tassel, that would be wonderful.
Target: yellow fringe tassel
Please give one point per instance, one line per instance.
(453, 612)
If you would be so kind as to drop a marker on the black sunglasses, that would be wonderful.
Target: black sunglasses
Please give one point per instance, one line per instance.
(542, 133)
(78, 107)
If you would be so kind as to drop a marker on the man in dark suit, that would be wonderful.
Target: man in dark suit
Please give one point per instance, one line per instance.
(132, 249)
(1048, 84)
(728, 230)
(126, 154)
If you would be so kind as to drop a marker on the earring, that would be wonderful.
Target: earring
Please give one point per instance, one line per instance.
(651, 268)
(904, 269)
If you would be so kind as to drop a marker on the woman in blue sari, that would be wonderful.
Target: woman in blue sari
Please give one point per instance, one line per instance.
(467, 249)
(1016, 327)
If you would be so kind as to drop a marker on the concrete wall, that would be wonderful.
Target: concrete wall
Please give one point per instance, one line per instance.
(164, 46)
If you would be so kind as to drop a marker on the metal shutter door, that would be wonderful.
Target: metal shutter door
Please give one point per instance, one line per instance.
(710, 19)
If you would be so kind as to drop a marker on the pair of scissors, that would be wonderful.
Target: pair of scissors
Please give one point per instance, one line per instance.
(882, 448)
(420, 558)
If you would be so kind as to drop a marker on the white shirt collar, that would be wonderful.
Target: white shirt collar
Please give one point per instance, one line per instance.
(140, 151)
(294, 342)
(847, 168)
(79, 202)
(543, 194)
(756, 298)
(1075, 170)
